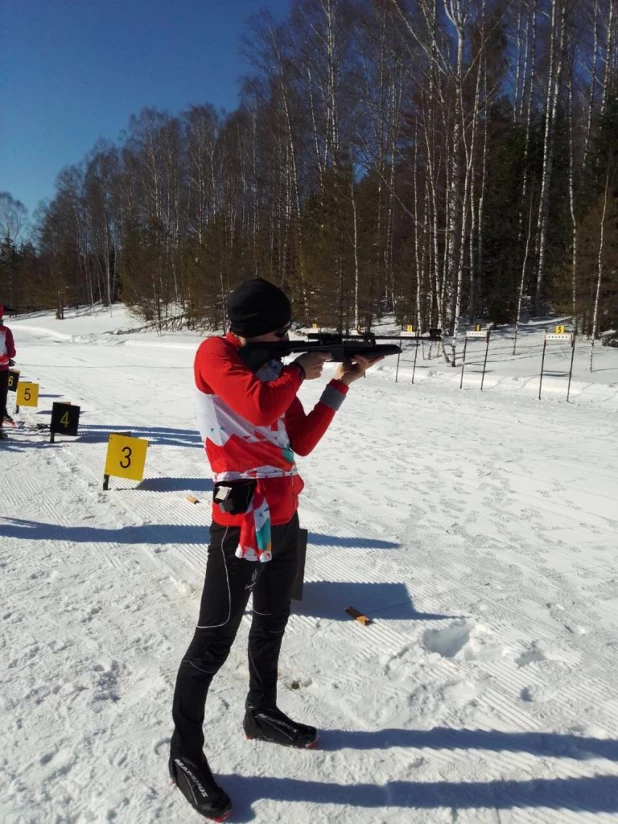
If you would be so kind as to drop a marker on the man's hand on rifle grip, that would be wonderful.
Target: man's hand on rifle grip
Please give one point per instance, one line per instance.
(350, 371)
(312, 363)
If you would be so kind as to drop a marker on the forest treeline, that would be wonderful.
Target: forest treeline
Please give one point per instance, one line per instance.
(444, 160)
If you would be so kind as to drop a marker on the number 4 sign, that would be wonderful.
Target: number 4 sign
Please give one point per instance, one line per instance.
(64, 419)
(126, 457)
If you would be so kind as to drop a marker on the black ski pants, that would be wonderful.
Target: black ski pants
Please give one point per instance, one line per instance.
(228, 584)
(4, 390)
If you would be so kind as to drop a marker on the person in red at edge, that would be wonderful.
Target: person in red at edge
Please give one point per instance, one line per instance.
(7, 353)
(251, 425)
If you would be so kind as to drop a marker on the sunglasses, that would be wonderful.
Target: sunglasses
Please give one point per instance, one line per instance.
(281, 333)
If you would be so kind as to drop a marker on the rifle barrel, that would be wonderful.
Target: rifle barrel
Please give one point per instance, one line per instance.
(327, 337)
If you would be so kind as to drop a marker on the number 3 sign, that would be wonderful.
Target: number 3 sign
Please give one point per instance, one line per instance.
(125, 457)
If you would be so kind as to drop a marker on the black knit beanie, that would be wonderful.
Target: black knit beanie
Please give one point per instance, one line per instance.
(257, 307)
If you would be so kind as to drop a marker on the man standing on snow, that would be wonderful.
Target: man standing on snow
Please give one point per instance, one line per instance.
(251, 425)
(7, 352)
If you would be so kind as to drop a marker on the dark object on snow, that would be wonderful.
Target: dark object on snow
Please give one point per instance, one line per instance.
(274, 726)
(196, 782)
(64, 419)
(358, 616)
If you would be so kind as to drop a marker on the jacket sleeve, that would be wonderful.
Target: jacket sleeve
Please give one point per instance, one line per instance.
(10, 344)
(305, 431)
(219, 368)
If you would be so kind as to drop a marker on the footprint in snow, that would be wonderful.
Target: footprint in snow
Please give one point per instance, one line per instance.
(531, 655)
(464, 639)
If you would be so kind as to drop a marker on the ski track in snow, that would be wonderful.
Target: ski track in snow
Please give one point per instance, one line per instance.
(478, 532)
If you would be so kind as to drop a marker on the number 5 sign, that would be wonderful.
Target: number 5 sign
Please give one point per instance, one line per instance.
(27, 394)
(126, 457)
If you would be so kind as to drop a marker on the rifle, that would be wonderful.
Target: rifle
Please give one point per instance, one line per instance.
(340, 347)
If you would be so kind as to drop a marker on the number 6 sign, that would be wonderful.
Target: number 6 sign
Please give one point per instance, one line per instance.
(126, 457)
(13, 379)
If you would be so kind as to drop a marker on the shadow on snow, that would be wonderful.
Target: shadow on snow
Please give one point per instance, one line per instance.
(138, 534)
(543, 744)
(390, 601)
(174, 485)
(159, 435)
(143, 534)
(590, 794)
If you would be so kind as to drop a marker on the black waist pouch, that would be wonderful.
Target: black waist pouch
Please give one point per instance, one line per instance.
(234, 497)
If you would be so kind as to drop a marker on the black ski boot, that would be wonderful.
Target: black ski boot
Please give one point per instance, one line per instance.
(195, 781)
(273, 725)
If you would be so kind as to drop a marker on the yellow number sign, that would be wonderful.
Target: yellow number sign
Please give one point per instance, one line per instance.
(126, 457)
(27, 394)
(314, 326)
(560, 330)
(409, 329)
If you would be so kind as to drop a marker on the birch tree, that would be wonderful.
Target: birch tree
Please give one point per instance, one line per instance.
(554, 76)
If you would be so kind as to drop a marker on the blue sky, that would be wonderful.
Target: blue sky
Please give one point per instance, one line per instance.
(72, 71)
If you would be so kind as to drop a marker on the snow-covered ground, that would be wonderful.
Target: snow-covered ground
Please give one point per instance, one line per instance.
(478, 530)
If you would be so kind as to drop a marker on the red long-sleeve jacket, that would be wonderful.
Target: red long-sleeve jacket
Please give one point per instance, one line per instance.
(7, 347)
(253, 423)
